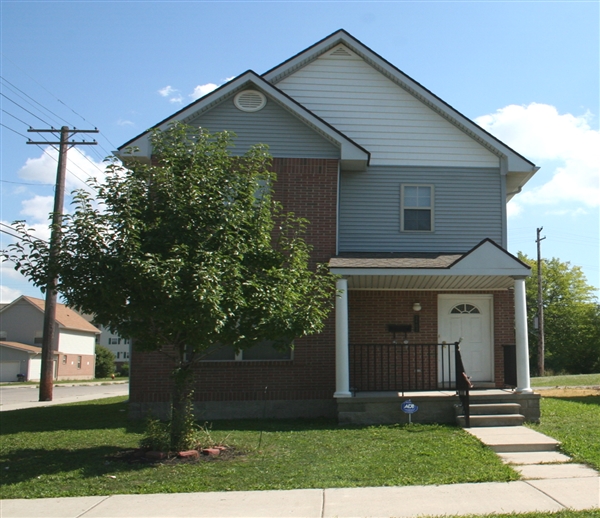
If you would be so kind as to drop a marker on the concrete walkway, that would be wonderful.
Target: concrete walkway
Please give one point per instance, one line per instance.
(546, 487)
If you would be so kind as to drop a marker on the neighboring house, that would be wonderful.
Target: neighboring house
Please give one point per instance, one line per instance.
(20, 362)
(120, 347)
(21, 325)
(406, 199)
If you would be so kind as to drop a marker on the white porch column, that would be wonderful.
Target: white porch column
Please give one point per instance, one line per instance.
(521, 340)
(342, 363)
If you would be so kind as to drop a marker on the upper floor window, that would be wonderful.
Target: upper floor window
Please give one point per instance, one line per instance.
(416, 213)
(38, 338)
(2, 335)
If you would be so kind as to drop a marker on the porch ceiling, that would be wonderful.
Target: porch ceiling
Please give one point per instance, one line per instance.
(429, 282)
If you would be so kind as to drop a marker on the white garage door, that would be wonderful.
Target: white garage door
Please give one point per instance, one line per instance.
(9, 371)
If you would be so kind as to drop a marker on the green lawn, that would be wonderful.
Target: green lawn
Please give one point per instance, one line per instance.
(67, 451)
(575, 422)
(570, 380)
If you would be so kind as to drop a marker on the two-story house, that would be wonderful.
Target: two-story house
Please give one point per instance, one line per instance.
(406, 199)
(21, 325)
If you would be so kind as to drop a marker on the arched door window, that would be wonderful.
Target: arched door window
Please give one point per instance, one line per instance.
(462, 309)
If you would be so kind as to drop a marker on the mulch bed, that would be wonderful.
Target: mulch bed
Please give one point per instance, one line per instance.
(140, 456)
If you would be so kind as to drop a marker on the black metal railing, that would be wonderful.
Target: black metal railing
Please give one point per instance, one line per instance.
(402, 367)
(463, 385)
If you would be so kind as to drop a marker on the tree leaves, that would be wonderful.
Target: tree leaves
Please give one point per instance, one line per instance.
(189, 251)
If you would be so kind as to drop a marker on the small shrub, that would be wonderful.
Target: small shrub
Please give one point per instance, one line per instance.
(105, 362)
(157, 436)
(124, 370)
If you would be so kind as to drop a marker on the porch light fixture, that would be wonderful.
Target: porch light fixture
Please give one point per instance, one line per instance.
(416, 318)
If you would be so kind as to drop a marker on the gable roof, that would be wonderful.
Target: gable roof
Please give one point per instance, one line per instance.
(353, 156)
(518, 168)
(65, 317)
(485, 266)
(31, 349)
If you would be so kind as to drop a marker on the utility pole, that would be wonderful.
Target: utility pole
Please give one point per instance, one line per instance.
(540, 301)
(55, 241)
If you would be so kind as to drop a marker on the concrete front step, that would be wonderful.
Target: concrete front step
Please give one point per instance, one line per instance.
(494, 408)
(492, 420)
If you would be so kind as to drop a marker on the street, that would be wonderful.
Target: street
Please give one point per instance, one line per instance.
(14, 397)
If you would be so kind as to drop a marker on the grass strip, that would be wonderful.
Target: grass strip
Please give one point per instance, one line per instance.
(575, 422)
(68, 450)
(568, 380)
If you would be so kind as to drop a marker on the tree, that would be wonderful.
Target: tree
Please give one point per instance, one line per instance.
(571, 317)
(105, 362)
(186, 254)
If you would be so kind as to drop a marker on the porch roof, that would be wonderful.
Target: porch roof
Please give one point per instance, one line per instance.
(486, 267)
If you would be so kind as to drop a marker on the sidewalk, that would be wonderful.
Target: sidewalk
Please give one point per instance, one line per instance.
(546, 487)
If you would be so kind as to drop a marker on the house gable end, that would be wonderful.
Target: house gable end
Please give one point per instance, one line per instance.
(352, 155)
(514, 165)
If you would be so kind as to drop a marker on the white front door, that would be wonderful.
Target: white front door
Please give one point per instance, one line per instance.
(469, 317)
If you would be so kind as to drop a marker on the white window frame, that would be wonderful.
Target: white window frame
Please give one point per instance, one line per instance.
(404, 207)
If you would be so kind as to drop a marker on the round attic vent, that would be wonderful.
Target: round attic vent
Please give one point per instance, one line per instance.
(250, 101)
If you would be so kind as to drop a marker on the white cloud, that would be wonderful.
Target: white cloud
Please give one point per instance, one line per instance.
(167, 90)
(513, 209)
(202, 90)
(125, 122)
(540, 133)
(79, 168)
(8, 294)
(37, 208)
(177, 99)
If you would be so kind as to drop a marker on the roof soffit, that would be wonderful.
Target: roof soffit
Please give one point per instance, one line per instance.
(515, 161)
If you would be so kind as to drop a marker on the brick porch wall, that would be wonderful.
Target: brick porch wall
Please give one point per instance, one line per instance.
(370, 312)
(307, 187)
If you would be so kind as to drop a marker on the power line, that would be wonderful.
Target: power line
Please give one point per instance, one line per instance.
(14, 131)
(68, 170)
(57, 99)
(29, 96)
(17, 118)
(48, 91)
(25, 183)
(17, 236)
(25, 109)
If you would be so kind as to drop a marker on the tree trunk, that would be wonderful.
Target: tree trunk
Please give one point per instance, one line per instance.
(182, 407)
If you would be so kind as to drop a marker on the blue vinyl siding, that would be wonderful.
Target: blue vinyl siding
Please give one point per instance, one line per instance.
(467, 208)
(285, 135)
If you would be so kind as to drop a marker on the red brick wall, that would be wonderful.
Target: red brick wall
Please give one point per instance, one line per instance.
(307, 187)
(370, 312)
(69, 369)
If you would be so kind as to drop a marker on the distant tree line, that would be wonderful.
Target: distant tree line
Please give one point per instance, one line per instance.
(571, 318)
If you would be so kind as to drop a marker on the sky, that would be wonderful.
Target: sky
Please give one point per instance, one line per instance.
(528, 72)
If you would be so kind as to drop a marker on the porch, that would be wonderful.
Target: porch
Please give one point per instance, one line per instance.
(397, 317)
(436, 406)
